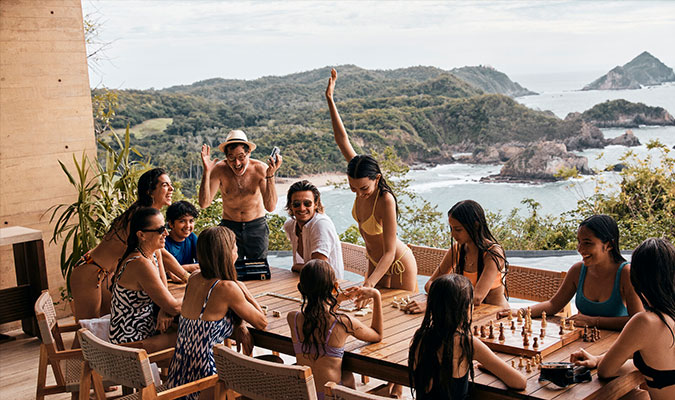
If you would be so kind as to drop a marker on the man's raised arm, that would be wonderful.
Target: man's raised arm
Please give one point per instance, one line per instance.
(267, 188)
(209, 186)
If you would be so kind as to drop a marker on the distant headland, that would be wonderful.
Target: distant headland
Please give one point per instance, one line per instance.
(643, 70)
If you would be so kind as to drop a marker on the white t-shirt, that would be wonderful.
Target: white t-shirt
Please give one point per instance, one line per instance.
(318, 236)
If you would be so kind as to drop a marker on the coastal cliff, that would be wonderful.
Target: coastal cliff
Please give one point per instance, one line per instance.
(624, 114)
(643, 70)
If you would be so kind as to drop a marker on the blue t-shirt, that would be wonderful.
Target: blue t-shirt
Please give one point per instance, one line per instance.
(185, 251)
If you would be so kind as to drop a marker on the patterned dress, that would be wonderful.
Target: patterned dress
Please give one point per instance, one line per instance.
(131, 316)
(193, 358)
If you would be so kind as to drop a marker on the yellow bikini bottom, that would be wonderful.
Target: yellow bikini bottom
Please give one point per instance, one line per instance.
(396, 268)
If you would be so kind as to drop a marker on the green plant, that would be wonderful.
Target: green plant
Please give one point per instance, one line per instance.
(104, 190)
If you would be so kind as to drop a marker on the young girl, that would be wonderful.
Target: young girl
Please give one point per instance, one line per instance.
(475, 253)
(601, 281)
(88, 279)
(442, 350)
(375, 209)
(649, 336)
(214, 308)
(319, 332)
(138, 283)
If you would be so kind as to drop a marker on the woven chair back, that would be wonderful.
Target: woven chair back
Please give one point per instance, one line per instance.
(263, 380)
(46, 317)
(428, 258)
(354, 258)
(123, 365)
(533, 283)
(334, 391)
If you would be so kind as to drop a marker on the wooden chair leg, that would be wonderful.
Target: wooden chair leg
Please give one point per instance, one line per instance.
(85, 381)
(42, 374)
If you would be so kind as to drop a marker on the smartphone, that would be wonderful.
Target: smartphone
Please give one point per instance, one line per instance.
(275, 153)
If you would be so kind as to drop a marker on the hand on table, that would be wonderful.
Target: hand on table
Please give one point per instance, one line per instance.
(243, 338)
(584, 358)
(581, 320)
(415, 307)
(164, 321)
(361, 295)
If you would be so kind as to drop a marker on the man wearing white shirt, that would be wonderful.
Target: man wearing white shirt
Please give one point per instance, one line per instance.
(310, 231)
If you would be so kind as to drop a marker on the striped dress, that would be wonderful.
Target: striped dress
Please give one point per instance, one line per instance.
(193, 358)
(131, 316)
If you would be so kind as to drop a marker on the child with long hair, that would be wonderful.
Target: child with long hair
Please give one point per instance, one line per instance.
(391, 263)
(319, 331)
(442, 349)
(601, 281)
(649, 336)
(474, 253)
(214, 308)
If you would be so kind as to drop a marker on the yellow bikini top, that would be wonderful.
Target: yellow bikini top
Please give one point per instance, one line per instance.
(370, 226)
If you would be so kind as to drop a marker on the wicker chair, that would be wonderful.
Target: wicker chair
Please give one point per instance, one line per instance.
(129, 367)
(334, 391)
(258, 379)
(535, 284)
(428, 258)
(355, 258)
(66, 364)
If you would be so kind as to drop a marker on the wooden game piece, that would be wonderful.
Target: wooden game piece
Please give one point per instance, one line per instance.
(509, 315)
(571, 325)
(276, 314)
(264, 308)
(585, 332)
(520, 316)
(502, 337)
(482, 331)
(561, 331)
(597, 333)
(513, 325)
(475, 330)
(564, 324)
(529, 327)
(543, 319)
(528, 366)
(526, 341)
(524, 331)
(529, 312)
(542, 333)
(513, 363)
(520, 362)
(535, 345)
(534, 360)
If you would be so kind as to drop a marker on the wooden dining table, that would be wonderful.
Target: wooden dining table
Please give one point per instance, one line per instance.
(388, 359)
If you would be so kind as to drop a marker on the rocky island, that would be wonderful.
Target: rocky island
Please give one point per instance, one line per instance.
(643, 70)
(624, 114)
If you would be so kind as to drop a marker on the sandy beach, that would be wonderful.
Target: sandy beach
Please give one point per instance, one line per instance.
(319, 180)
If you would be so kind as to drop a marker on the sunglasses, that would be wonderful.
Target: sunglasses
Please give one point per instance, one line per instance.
(159, 230)
(307, 203)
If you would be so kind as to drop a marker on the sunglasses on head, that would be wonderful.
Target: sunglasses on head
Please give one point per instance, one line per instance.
(159, 230)
(307, 203)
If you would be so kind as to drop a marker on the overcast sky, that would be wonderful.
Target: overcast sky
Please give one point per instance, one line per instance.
(164, 43)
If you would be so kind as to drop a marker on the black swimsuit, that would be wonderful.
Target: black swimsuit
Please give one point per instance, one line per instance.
(655, 378)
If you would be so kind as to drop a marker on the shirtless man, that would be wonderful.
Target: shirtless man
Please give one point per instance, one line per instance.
(248, 190)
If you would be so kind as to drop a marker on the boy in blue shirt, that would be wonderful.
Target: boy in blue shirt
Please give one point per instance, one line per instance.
(182, 242)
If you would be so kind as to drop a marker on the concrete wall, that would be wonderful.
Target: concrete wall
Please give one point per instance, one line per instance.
(45, 116)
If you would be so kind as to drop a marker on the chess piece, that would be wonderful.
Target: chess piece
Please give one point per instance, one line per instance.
(502, 337)
(561, 331)
(513, 363)
(585, 331)
(529, 327)
(564, 324)
(535, 345)
(492, 332)
(543, 319)
(529, 313)
(542, 333)
(475, 330)
(520, 316)
(528, 366)
(572, 325)
(597, 333)
(482, 331)
(509, 315)
(526, 341)
(524, 331)
(534, 360)
(520, 362)
(513, 325)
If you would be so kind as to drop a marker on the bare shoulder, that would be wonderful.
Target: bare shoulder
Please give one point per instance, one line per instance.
(387, 202)
(259, 167)
(643, 325)
(227, 289)
(625, 275)
(575, 269)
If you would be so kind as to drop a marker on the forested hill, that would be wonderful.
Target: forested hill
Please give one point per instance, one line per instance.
(425, 113)
(490, 80)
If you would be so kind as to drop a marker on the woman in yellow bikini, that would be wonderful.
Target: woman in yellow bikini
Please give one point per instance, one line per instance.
(475, 254)
(90, 278)
(375, 209)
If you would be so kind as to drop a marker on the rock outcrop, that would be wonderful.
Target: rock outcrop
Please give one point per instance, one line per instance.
(589, 135)
(625, 114)
(541, 162)
(627, 139)
(643, 70)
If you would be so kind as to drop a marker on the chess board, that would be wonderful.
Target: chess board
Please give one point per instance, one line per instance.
(513, 339)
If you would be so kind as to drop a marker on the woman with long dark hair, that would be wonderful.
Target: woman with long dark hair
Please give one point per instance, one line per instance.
(474, 253)
(605, 296)
(138, 283)
(214, 308)
(89, 279)
(319, 331)
(391, 263)
(442, 349)
(649, 336)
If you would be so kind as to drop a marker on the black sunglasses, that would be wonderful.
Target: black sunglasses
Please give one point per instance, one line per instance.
(307, 203)
(159, 230)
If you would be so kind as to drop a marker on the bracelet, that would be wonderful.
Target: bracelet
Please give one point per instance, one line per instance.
(269, 177)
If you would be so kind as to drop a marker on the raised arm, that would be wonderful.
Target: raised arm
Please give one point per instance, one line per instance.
(210, 183)
(339, 132)
(267, 187)
(389, 225)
